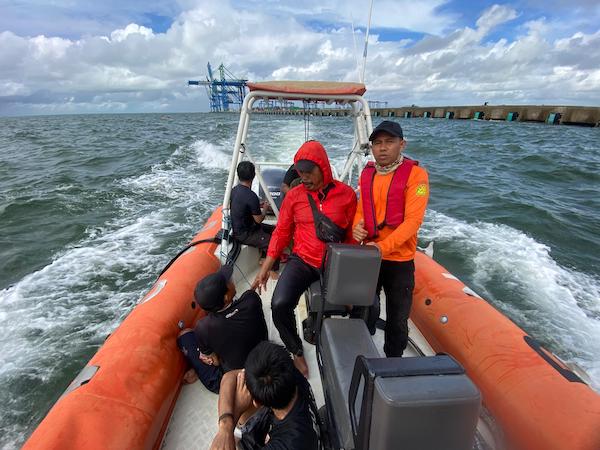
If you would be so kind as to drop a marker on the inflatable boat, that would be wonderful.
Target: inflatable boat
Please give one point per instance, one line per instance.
(470, 378)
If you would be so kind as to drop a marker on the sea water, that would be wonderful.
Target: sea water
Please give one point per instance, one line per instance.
(93, 206)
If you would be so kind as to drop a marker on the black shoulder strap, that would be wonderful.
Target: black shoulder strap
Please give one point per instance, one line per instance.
(313, 205)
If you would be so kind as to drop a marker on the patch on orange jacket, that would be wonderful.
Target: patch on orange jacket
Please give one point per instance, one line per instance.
(421, 190)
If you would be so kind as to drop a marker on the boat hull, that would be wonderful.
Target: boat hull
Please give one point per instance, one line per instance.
(537, 401)
(128, 401)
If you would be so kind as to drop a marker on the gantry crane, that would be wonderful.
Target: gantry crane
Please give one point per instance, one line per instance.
(223, 93)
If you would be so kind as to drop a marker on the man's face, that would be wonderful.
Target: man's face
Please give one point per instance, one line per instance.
(313, 180)
(387, 148)
(230, 292)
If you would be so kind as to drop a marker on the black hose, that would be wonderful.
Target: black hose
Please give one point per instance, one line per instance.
(213, 240)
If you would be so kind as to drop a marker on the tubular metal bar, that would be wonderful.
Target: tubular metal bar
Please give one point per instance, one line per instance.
(358, 148)
(242, 132)
(239, 139)
(264, 185)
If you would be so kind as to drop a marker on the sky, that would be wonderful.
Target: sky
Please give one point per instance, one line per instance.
(118, 56)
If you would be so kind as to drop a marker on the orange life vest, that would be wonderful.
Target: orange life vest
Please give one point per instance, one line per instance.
(394, 210)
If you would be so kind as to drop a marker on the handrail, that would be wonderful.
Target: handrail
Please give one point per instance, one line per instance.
(362, 120)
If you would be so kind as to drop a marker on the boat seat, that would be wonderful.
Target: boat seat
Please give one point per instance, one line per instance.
(418, 403)
(351, 272)
(313, 298)
(374, 403)
(342, 340)
(314, 302)
(350, 278)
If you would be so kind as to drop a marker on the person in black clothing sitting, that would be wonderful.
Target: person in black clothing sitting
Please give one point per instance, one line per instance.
(290, 179)
(246, 213)
(287, 414)
(222, 340)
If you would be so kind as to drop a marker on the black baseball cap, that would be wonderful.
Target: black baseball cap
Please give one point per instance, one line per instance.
(304, 165)
(210, 291)
(388, 127)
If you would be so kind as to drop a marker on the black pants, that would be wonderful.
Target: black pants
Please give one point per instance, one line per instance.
(259, 238)
(210, 376)
(295, 279)
(398, 281)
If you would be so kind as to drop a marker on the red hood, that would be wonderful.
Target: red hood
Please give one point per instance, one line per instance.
(315, 152)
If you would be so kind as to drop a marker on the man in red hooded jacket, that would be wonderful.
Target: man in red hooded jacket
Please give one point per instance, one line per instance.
(334, 199)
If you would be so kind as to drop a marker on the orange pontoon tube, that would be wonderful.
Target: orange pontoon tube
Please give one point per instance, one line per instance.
(538, 402)
(128, 400)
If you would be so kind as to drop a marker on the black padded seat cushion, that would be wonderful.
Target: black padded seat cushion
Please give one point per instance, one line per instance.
(314, 301)
(342, 340)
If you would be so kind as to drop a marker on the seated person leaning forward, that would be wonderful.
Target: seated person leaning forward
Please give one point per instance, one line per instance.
(221, 341)
(246, 213)
(333, 199)
(286, 416)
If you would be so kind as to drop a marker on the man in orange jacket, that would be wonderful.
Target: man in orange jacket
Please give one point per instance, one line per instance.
(393, 198)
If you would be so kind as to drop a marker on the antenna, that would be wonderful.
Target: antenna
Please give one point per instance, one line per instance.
(355, 52)
(362, 78)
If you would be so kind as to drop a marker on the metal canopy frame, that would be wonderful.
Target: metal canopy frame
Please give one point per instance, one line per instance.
(363, 126)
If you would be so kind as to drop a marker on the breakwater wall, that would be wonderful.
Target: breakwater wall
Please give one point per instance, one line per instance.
(553, 115)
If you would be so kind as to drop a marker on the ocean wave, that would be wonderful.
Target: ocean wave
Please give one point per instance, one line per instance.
(172, 179)
(211, 156)
(54, 317)
(555, 304)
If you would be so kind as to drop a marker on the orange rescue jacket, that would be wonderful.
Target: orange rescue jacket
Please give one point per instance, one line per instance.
(399, 243)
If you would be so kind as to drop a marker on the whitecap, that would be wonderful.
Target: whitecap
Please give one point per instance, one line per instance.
(556, 304)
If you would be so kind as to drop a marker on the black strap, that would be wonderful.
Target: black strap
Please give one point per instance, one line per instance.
(313, 206)
(213, 240)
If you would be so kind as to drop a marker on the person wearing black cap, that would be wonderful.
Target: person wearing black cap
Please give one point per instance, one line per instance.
(222, 340)
(393, 197)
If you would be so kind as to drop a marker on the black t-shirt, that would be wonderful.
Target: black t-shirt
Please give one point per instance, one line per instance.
(244, 204)
(290, 175)
(299, 429)
(233, 332)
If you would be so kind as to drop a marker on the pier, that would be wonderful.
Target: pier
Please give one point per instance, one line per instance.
(552, 115)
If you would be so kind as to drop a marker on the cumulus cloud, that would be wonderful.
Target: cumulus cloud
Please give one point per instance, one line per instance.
(419, 16)
(134, 68)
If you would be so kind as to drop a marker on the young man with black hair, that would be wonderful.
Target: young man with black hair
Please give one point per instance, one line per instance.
(222, 340)
(287, 414)
(290, 179)
(246, 213)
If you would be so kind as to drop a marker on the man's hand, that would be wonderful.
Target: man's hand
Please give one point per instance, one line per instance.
(243, 399)
(211, 360)
(358, 232)
(224, 439)
(260, 282)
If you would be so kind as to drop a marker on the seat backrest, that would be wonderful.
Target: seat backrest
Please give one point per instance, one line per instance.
(350, 274)
(424, 403)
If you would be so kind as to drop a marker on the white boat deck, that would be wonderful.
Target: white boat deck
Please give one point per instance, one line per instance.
(193, 423)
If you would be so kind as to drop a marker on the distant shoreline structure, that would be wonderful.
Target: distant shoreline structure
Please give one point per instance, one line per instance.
(551, 114)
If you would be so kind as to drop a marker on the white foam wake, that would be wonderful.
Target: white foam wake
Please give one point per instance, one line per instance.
(212, 156)
(556, 304)
(64, 310)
